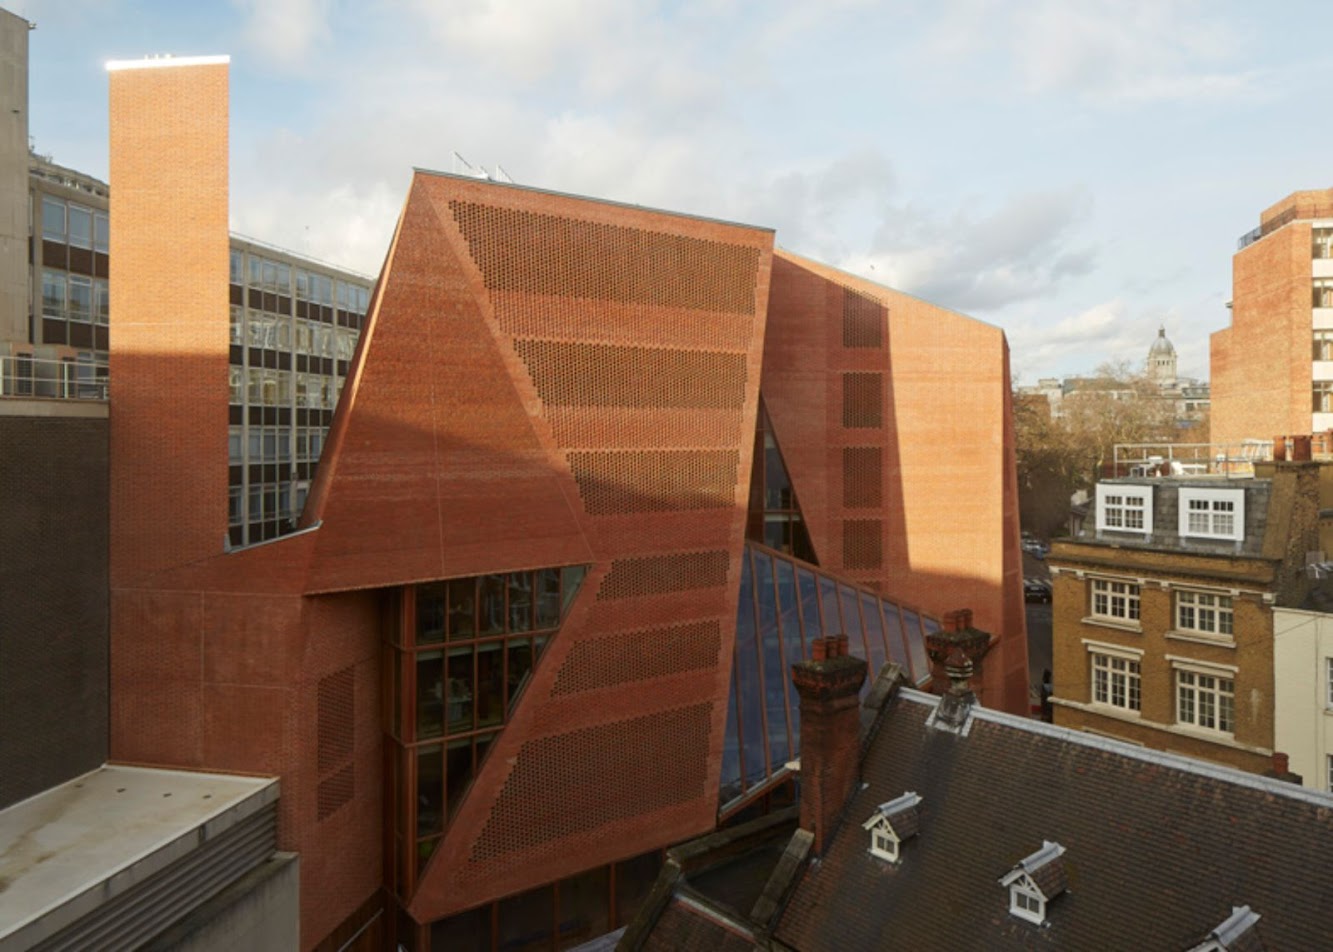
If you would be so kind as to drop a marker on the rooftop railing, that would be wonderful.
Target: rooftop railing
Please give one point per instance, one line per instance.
(46, 379)
(1190, 460)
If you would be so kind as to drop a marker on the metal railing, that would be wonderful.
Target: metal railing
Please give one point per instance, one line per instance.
(47, 379)
(1190, 460)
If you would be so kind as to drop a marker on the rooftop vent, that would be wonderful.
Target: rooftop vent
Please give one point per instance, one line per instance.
(1035, 881)
(1237, 933)
(891, 823)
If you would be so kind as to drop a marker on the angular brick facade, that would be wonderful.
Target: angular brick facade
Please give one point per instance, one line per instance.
(543, 380)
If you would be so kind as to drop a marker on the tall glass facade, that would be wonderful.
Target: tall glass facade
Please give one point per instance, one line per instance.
(458, 656)
(294, 330)
(784, 605)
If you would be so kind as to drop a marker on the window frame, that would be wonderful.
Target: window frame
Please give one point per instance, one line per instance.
(1116, 502)
(50, 235)
(1223, 701)
(880, 835)
(1328, 683)
(1132, 686)
(1219, 612)
(1132, 597)
(1035, 915)
(1213, 498)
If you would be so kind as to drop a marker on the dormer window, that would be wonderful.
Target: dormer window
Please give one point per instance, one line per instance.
(1035, 881)
(1212, 513)
(891, 823)
(1124, 508)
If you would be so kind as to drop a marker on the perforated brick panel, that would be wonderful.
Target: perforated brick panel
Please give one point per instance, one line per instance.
(862, 544)
(602, 375)
(337, 715)
(862, 477)
(335, 791)
(602, 773)
(336, 720)
(639, 656)
(548, 254)
(627, 481)
(633, 335)
(862, 320)
(862, 399)
(664, 573)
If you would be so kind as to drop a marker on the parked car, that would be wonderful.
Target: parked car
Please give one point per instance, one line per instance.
(1035, 548)
(1036, 590)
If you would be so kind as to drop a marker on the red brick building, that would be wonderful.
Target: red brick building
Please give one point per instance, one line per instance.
(502, 666)
(1272, 368)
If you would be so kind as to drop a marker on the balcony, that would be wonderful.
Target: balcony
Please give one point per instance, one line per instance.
(33, 378)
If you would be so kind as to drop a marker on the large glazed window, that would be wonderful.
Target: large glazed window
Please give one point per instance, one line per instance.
(775, 515)
(460, 653)
(784, 605)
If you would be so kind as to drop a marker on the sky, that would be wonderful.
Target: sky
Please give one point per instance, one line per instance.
(1076, 172)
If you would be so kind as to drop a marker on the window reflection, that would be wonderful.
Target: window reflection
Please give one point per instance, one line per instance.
(784, 605)
(775, 515)
(462, 652)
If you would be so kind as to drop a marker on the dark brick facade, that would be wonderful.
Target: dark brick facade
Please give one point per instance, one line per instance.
(53, 601)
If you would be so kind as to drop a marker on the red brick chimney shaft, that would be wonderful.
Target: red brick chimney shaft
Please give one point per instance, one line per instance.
(829, 685)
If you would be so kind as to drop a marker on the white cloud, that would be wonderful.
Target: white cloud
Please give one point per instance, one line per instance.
(980, 261)
(1108, 51)
(285, 33)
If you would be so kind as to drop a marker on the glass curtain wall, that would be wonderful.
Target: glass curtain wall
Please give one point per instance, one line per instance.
(458, 655)
(784, 605)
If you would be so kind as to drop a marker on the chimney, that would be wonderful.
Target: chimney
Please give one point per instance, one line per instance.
(959, 634)
(828, 684)
(1281, 769)
(1300, 449)
(955, 653)
(1279, 449)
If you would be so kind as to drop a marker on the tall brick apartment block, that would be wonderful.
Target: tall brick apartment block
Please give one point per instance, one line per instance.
(599, 475)
(1272, 369)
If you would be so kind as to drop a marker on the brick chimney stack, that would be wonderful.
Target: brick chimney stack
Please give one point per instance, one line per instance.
(955, 654)
(1281, 769)
(829, 684)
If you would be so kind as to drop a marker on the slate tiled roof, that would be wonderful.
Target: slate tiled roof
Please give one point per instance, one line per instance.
(683, 926)
(1159, 849)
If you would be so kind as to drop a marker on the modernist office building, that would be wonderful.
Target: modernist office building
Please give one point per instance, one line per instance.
(294, 322)
(1272, 369)
(598, 476)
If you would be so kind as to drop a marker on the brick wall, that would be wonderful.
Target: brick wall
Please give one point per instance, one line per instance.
(941, 429)
(1261, 366)
(1252, 653)
(53, 589)
(169, 336)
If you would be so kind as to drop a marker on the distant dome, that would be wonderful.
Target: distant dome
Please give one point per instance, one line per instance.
(1161, 347)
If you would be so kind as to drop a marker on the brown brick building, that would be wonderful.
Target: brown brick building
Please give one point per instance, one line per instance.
(598, 475)
(1163, 609)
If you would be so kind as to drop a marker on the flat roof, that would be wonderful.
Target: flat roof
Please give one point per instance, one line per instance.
(518, 186)
(162, 62)
(60, 849)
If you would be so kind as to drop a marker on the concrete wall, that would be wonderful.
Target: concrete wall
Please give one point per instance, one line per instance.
(259, 911)
(53, 593)
(13, 178)
(1303, 719)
